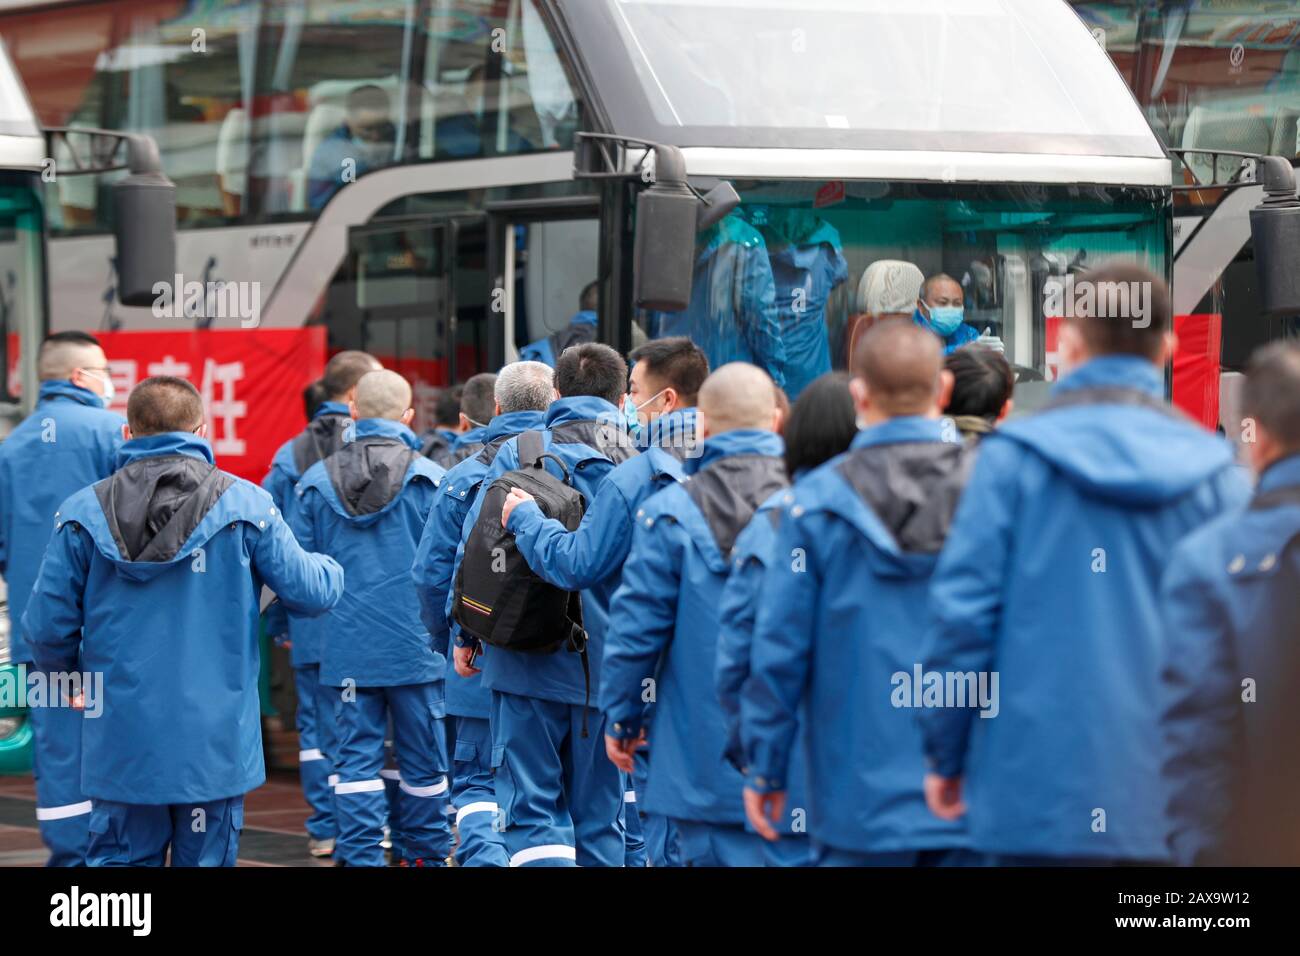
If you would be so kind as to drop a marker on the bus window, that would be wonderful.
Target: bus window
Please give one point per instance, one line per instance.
(180, 76)
(778, 282)
(556, 296)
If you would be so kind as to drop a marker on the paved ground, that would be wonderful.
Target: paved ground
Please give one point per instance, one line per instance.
(273, 818)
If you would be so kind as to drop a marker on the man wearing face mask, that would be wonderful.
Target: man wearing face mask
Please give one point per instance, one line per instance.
(941, 309)
(69, 441)
(664, 384)
(364, 141)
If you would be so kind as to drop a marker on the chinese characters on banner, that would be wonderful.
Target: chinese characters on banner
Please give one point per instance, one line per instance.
(251, 383)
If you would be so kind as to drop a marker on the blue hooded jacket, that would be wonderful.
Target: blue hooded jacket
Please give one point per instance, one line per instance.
(581, 328)
(596, 550)
(435, 557)
(68, 441)
(962, 335)
(573, 433)
(664, 626)
(1231, 600)
(358, 508)
(1059, 543)
(842, 613)
(331, 424)
(732, 315)
(169, 617)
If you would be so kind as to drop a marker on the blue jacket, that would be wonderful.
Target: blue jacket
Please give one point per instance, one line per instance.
(68, 441)
(1059, 543)
(842, 613)
(596, 550)
(558, 676)
(366, 506)
(732, 314)
(169, 617)
(581, 328)
(807, 265)
(962, 335)
(431, 570)
(1231, 600)
(664, 626)
(754, 553)
(331, 424)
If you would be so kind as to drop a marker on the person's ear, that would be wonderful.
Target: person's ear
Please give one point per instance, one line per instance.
(861, 395)
(702, 424)
(1007, 406)
(352, 410)
(1263, 451)
(1168, 348)
(202, 430)
(944, 394)
(496, 409)
(408, 416)
(465, 424)
(923, 308)
(1071, 350)
(126, 433)
(778, 421)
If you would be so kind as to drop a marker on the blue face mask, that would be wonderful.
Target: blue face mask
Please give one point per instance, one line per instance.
(946, 318)
(630, 419)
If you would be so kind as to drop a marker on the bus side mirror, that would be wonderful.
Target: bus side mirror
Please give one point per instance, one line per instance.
(144, 226)
(1275, 228)
(668, 217)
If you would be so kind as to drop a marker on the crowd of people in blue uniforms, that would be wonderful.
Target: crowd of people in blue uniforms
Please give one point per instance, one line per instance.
(893, 626)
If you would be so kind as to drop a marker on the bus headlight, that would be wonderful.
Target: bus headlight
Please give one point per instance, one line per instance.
(9, 726)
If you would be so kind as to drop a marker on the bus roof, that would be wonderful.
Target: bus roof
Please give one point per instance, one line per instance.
(22, 146)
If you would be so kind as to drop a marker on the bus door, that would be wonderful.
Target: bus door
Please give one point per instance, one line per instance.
(416, 298)
(544, 261)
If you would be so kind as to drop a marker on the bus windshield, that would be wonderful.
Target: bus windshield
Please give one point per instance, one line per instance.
(785, 282)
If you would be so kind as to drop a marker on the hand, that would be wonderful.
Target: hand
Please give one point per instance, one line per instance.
(764, 809)
(991, 341)
(516, 497)
(620, 752)
(461, 657)
(943, 796)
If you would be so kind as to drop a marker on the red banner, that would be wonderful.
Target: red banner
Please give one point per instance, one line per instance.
(251, 382)
(1196, 366)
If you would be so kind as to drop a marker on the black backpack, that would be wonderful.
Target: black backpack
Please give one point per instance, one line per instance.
(498, 599)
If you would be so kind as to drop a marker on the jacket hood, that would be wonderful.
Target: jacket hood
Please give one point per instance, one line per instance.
(363, 479)
(738, 471)
(1283, 473)
(675, 433)
(165, 500)
(740, 441)
(1139, 452)
(58, 388)
(512, 423)
(581, 408)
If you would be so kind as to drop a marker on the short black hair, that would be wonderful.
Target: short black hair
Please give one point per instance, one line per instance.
(591, 369)
(1271, 393)
(1111, 327)
(313, 397)
(163, 403)
(344, 370)
(982, 382)
(478, 398)
(821, 424)
(446, 408)
(76, 336)
(674, 362)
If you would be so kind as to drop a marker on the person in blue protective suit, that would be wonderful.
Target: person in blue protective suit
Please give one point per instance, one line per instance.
(561, 801)
(449, 424)
(324, 435)
(581, 328)
(523, 392)
(842, 615)
(664, 621)
(941, 309)
(664, 385)
(733, 314)
(808, 264)
(366, 506)
(1231, 682)
(477, 403)
(1049, 581)
(153, 576)
(821, 425)
(69, 441)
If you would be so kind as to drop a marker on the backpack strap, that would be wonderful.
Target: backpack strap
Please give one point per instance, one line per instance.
(1276, 498)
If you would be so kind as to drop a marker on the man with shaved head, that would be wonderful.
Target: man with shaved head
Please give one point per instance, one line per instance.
(323, 436)
(664, 620)
(840, 622)
(941, 309)
(366, 506)
(69, 441)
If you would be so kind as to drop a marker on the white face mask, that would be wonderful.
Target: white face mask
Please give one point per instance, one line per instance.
(109, 391)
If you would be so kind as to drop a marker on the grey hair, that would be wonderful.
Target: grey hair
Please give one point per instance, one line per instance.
(525, 387)
(382, 394)
(58, 359)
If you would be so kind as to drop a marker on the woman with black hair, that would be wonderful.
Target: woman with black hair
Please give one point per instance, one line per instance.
(819, 427)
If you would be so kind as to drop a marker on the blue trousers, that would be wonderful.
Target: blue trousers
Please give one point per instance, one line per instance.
(133, 834)
(420, 750)
(830, 856)
(717, 844)
(634, 851)
(560, 797)
(657, 830)
(62, 811)
(316, 743)
(473, 793)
